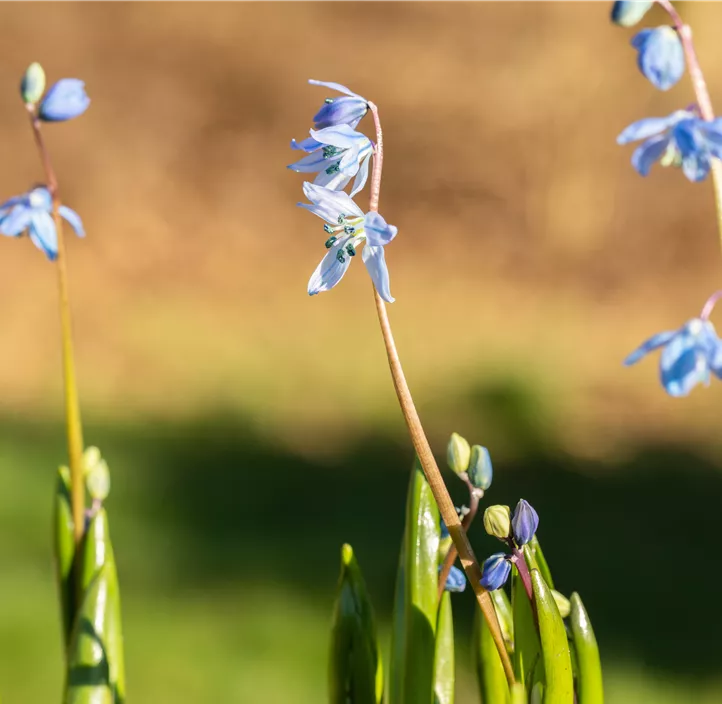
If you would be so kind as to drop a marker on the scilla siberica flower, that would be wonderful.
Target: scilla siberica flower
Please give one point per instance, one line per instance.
(524, 523)
(31, 212)
(495, 571)
(456, 581)
(348, 229)
(338, 154)
(687, 358)
(661, 56)
(682, 139)
(348, 110)
(65, 100)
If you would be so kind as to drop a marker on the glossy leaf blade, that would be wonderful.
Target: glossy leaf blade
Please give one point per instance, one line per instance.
(589, 667)
(355, 672)
(398, 634)
(540, 562)
(64, 550)
(444, 676)
(558, 680)
(527, 648)
(518, 694)
(493, 687)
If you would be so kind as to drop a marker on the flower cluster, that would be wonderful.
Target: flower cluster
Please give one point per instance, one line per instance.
(683, 139)
(31, 213)
(337, 153)
(516, 531)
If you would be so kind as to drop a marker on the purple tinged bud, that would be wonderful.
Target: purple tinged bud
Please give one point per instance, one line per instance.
(495, 571)
(524, 523)
(65, 100)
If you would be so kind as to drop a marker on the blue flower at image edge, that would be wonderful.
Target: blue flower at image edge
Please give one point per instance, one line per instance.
(687, 358)
(65, 100)
(32, 212)
(349, 228)
(661, 56)
(682, 139)
(348, 110)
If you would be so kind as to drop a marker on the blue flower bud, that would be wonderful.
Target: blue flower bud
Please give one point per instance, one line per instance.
(33, 84)
(456, 581)
(480, 470)
(524, 523)
(627, 13)
(495, 571)
(661, 56)
(64, 101)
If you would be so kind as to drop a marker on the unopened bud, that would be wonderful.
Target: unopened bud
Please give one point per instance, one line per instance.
(562, 603)
(524, 523)
(480, 470)
(628, 12)
(32, 85)
(495, 571)
(458, 453)
(97, 474)
(497, 521)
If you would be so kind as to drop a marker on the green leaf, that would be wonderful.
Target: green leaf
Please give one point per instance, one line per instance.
(504, 614)
(589, 666)
(518, 694)
(415, 623)
(444, 657)
(493, 687)
(539, 561)
(527, 649)
(398, 634)
(558, 680)
(64, 550)
(355, 671)
(96, 659)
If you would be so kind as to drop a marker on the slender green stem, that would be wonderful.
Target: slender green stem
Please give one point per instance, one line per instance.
(72, 406)
(701, 92)
(421, 444)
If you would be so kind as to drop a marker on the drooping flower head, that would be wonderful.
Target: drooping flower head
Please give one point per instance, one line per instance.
(31, 213)
(64, 100)
(680, 139)
(348, 110)
(337, 154)
(661, 56)
(687, 357)
(495, 570)
(349, 228)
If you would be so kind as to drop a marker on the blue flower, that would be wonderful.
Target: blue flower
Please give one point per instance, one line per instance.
(661, 56)
(687, 358)
(524, 523)
(456, 581)
(32, 212)
(349, 228)
(340, 111)
(495, 571)
(65, 100)
(628, 12)
(681, 139)
(338, 154)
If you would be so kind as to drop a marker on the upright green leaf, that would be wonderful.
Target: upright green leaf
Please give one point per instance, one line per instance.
(527, 649)
(415, 623)
(444, 675)
(355, 672)
(398, 634)
(539, 561)
(518, 694)
(589, 666)
(493, 687)
(558, 680)
(64, 550)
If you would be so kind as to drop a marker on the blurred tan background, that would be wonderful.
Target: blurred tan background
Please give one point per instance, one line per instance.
(531, 257)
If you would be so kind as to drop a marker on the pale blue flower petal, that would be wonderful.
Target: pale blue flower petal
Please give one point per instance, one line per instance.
(375, 262)
(378, 232)
(362, 175)
(341, 111)
(336, 181)
(16, 221)
(311, 163)
(650, 151)
(331, 269)
(456, 581)
(653, 343)
(661, 56)
(333, 86)
(342, 136)
(328, 204)
(42, 233)
(649, 126)
(65, 100)
(680, 373)
(306, 145)
(639, 38)
(73, 219)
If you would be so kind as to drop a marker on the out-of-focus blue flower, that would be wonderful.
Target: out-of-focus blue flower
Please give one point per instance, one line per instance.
(480, 470)
(65, 100)
(338, 154)
(495, 571)
(32, 212)
(628, 12)
(340, 111)
(524, 523)
(681, 139)
(661, 56)
(687, 358)
(349, 228)
(444, 530)
(456, 581)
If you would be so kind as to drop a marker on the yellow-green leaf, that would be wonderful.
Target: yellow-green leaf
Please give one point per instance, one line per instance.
(589, 666)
